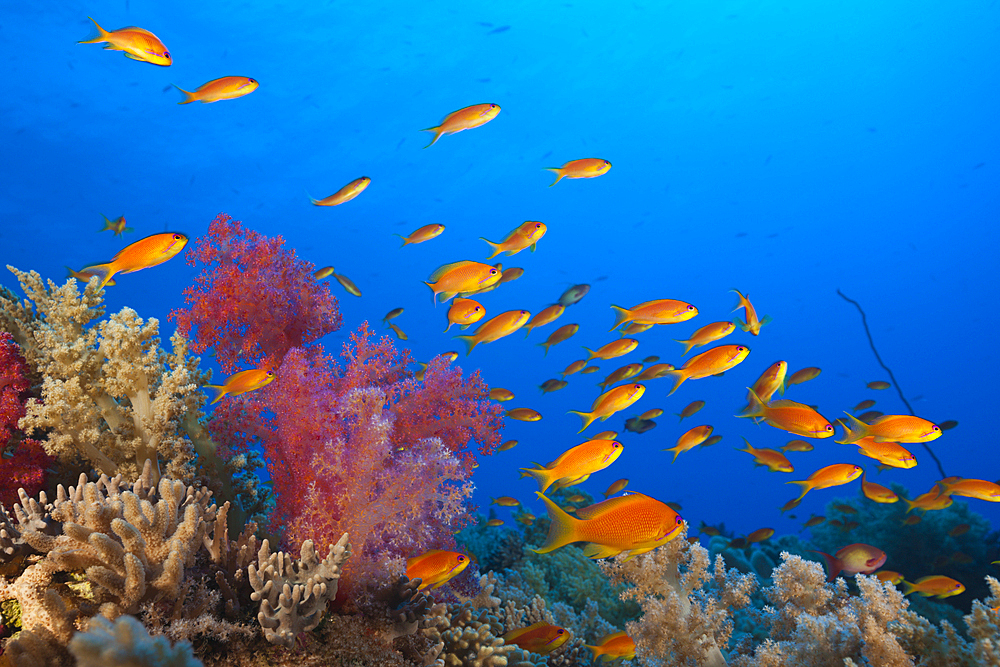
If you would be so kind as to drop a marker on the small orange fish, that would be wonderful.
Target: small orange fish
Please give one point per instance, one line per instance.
(773, 459)
(760, 535)
(804, 375)
(690, 440)
(450, 356)
(392, 314)
(711, 531)
(929, 502)
(660, 311)
(505, 501)
(707, 334)
(589, 369)
(117, 225)
(797, 446)
(889, 577)
(523, 414)
(911, 520)
(540, 637)
(500, 394)
(615, 487)
(937, 585)
(891, 428)
(575, 462)
(973, 488)
(814, 521)
(711, 362)
(887, 453)
(791, 504)
(573, 295)
(605, 435)
(772, 380)
(425, 233)
(559, 335)
(436, 567)
(493, 523)
(143, 254)
(526, 235)
(870, 416)
(654, 372)
(465, 276)
(463, 119)
(464, 313)
(325, 272)
(344, 194)
(616, 348)
(545, 316)
(960, 529)
(715, 439)
(651, 414)
(877, 492)
(242, 382)
(513, 273)
(690, 409)
(738, 543)
(510, 444)
(789, 416)
(85, 276)
(853, 559)
(590, 167)
(552, 385)
(527, 518)
(878, 385)
(225, 88)
(574, 367)
(610, 402)
(845, 508)
(634, 328)
(352, 289)
(651, 359)
(619, 374)
(864, 405)
(832, 475)
(137, 43)
(400, 334)
(496, 328)
(615, 647)
(753, 324)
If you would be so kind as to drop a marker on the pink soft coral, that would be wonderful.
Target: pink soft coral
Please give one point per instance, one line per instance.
(27, 463)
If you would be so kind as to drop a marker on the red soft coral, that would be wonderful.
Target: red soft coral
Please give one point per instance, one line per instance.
(24, 462)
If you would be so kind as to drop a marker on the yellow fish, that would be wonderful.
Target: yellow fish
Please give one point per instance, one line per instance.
(494, 329)
(660, 311)
(707, 334)
(589, 369)
(85, 276)
(789, 416)
(322, 273)
(753, 324)
(226, 88)
(651, 414)
(853, 559)
(425, 233)
(605, 435)
(500, 394)
(889, 577)
(891, 428)
(351, 288)
(798, 446)
(616, 348)
(510, 444)
(615, 487)
(400, 334)
(634, 328)
(973, 488)
(618, 646)
(463, 119)
(585, 459)
(435, 568)
(690, 440)
(144, 253)
(773, 459)
(804, 375)
(877, 492)
(772, 380)
(137, 43)
(760, 535)
(937, 585)
(540, 637)
(493, 523)
(559, 335)
(465, 313)
(344, 194)
(544, 316)
(589, 167)
(711, 362)
(610, 402)
(513, 273)
(887, 453)
(117, 225)
(506, 501)
(833, 475)
(878, 385)
(242, 382)
(524, 414)
(524, 236)
(464, 276)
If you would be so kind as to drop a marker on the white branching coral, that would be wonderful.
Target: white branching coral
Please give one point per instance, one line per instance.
(125, 643)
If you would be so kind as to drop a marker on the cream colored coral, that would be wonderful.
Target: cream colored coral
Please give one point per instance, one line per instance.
(125, 643)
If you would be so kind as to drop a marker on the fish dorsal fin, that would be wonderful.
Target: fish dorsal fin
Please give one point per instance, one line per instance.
(520, 632)
(785, 403)
(605, 506)
(436, 276)
(135, 28)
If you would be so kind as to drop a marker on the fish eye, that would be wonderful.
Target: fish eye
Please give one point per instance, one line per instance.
(690, 307)
(493, 272)
(461, 558)
(935, 428)
(740, 348)
(178, 237)
(607, 163)
(270, 374)
(493, 106)
(678, 520)
(476, 310)
(166, 54)
(251, 81)
(560, 631)
(828, 427)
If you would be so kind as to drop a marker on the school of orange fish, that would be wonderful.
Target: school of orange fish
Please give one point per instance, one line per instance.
(632, 523)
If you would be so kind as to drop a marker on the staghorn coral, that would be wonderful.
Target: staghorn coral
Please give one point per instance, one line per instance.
(293, 594)
(125, 643)
(109, 396)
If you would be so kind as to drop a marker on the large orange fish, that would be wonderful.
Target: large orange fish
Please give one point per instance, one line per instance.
(494, 329)
(610, 402)
(891, 428)
(559, 335)
(117, 225)
(590, 167)
(540, 637)
(853, 559)
(929, 502)
(789, 416)
(634, 523)
(425, 233)
(464, 276)
(137, 43)
(526, 235)
(545, 316)
(465, 313)
(973, 488)
(226, 88)
(660, 311)
(144, 253)
(937, 585)
(344, 194)
(436, 567)
(615, 348)
(708, 334)
(711, 362)
(463, 119)
(832, 475)
(690, 440)
(753, 323)
(773, 459)
(615, 647)
(576, 462)
(242, 382)
(887, 453)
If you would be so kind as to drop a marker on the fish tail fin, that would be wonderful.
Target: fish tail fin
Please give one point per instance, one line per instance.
(856, 430)
(767, 319)
(687, 345)
(447, 327)
(542, 475)
(910, 505)
(743, 301)
(470, 343)
(219, 392)
(676, 451)
(437, 134)
(749, 448)
(621, 315)
(102, 35)
(741, 324)
(832, 564)
(593, 355)
(755, 407)
(190, 97)
(562, 530)
(806, 487)
(406, 240)
(679, 377)
(496, 247)
(546, 346)
(556, 170)
(107, 224)
(587, 417)
(781, 387)
(908, 587)
(434, 294)
(103, 271)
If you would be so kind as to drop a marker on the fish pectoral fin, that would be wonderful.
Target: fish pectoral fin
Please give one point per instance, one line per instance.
(131, 55)
(593, 550)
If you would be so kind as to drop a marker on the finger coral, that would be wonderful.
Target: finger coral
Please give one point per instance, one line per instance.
(127, 644)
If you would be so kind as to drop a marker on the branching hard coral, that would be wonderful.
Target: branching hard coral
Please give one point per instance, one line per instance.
(125, 643)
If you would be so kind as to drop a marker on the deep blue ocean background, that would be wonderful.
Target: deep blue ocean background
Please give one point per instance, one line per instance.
(784, 149)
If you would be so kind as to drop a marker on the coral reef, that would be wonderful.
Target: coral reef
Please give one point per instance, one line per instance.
(125, 643)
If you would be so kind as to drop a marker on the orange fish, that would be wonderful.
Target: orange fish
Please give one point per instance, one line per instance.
(574, 367)
(463, 119)
(510, 444)
(707, 334)
(937, 585)
(711, 362)
(617, 646)
(575, 462)
(351, 288)
(634, 328)
(870, 416)
(789, 416)
(634, 523)
(760, 535)
(660, 311)
(616, 348)
(853, 559)
(513, 273)
(137, 43)
(615, 487)
(494, 329)
(605, 435)
(425, 233)
(911, 520)
(524, 236)
(773, 459)
(344, 194)
(832, 475)
(391, 315)
(690, 440)
(464, 313)
(242, 382)
(651, 359)
(324, 272)
(878, 385)
(889, 577)
(559, 335)
(973, 488)
(610, 402)
(500, 394)
(690, 409)
(651, 414)
(401, 335)
(144, 253)
(798, 446)
(619, 374)
(712, 441)
(540, 637)
(752, 324)
(85, 276)
(464, 276)
(435, 568)
(864, 405)
(892, 428)
(589, 369)
(523, 414)
(493, 523)
(506, 501)
(887, 453)
(804, 375)
(928, 502)
(772, 380)
(573, 295)
(960, 529)
(590, 167)
(654, 372)
(117, 225)
(226, 88)
(552, 385)
(877, 492)
(545, 316)
(814, 521)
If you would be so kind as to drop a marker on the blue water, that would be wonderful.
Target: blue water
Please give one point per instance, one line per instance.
(785, 149)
